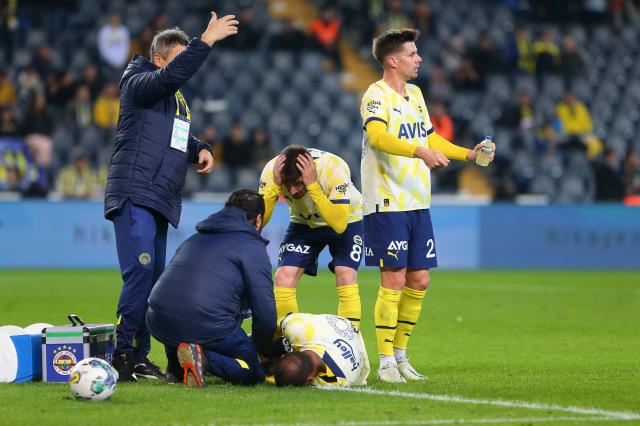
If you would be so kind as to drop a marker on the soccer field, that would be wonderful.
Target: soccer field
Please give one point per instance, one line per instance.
(499, 347)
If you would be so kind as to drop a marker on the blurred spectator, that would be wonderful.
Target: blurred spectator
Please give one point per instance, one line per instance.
(547, 55)
(261, 148)
(92, 79)
(547, 137)
(107, 107)
(29, 84)
(8, 95)
(422, 18)
(438, 87)
(77, 180)
(467, 78)
(572, 63)
(79, 110)
(325, 32)
(395, 18)
(237, 151)
(577, 126)
(250, 36)
(210, 136)
(9, 123)
(113, 42)
(485, 58)
(453, 55)
(520, 115)
(142, 43)
(631, 173)
(37, 125)
(161, 22)
(60, 88)
(520, 51)
(8, 29)
(609, 181)
(442, 122)
(290, 38)
(42, 61)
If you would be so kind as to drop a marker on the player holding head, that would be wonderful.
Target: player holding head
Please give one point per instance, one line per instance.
(400, 148)
(324, 350)
(325, 209)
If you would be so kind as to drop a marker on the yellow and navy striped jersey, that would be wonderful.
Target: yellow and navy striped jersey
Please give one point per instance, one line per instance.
(335, 340)
(334, 177)
(392, 183)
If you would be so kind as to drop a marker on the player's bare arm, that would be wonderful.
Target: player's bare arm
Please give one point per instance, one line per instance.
(432, 158)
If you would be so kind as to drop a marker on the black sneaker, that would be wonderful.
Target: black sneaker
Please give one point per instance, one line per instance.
(123, 364)
(148, 370)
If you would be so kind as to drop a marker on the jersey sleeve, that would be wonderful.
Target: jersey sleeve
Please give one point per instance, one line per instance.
(374, 107)
(335, 180)
(268, 189)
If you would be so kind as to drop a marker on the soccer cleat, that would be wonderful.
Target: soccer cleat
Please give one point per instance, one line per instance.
(192, 362)
(407, 371)
(123, 364)
(148, 370)
(389, 373)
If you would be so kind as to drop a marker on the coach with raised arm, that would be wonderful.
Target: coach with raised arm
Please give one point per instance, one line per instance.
(153, 145)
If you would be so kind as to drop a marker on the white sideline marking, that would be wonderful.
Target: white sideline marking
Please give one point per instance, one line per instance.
(619, 415)
(451, 421)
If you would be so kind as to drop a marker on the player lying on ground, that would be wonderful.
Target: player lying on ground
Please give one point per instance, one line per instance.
(324, 350)
(325, 210)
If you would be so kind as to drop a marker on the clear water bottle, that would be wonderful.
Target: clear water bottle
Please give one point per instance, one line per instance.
(485, 152)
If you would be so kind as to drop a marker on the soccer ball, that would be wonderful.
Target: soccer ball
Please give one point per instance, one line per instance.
(93, 379)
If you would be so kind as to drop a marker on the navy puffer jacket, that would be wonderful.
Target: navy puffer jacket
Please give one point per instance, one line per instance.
(144, 168)
(214, 276)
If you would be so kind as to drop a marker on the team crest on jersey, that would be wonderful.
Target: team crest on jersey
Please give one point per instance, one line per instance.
(343, 188)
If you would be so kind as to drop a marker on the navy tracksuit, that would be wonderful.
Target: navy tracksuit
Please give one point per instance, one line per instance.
(146, 175)
(215, 275)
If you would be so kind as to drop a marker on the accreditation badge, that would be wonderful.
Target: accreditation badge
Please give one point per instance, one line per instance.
(180, 134)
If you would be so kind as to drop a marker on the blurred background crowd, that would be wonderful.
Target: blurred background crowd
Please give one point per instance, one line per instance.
(556, 83)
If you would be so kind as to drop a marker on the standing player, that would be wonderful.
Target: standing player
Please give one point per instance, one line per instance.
(400, 148)
(324, 350)
(325, 210)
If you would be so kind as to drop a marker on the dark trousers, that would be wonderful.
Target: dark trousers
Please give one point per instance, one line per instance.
(234, 359)
(141, 240)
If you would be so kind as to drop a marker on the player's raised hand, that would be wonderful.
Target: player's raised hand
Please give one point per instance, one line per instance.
(219, 29)
(432, 158)
(277, 169)
(304, 162)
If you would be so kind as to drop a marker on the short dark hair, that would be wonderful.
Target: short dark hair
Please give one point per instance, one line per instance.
(293, 369)
(290, 172)
(249, 201)
(164, 41)
(390, 42)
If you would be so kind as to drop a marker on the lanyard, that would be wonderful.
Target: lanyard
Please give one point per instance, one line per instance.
(180, 100)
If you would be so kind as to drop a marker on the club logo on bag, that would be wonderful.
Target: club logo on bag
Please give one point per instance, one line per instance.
(144, 259)
(64, 359)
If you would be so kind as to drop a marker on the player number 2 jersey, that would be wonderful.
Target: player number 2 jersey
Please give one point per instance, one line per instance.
(334, 177)
(392, 183)
(335, 340)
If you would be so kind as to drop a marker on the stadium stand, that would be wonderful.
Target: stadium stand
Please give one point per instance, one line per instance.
(479, 57)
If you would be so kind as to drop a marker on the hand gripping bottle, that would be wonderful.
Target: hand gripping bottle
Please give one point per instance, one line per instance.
(485, 152)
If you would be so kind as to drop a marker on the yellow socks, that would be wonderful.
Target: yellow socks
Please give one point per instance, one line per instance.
(285, 301)
(349, 303)
(386, 318)
(408, 314)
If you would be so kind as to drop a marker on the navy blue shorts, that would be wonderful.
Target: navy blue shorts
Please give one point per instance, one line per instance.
(302, 246)
(400, 240)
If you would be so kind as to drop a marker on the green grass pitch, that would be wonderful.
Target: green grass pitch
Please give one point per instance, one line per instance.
(499, 347)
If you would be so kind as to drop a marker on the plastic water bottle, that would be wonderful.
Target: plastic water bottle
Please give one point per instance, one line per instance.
(485, 152)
